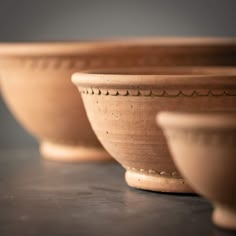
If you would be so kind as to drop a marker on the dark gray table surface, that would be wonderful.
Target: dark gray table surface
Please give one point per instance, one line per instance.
(39, 197)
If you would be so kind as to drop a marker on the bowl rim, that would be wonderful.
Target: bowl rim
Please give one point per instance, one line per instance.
(216, 78)
(211, 120)
(35, 48)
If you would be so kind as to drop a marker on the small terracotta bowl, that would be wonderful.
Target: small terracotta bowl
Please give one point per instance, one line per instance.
(203, 147)
(35, 83)
(122, 104)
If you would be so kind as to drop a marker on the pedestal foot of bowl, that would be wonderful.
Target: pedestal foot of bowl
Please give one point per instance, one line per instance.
(225, 217)
(65, 153)
(156, 182)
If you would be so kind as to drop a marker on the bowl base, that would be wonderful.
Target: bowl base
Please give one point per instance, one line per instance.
(156, 183)
(64, 153)
(224, 217)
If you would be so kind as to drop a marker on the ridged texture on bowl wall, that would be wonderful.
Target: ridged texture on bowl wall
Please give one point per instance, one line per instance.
(124, 121)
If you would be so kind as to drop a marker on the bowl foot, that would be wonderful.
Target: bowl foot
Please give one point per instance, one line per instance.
(156, 183)
(64, 153)
(224, 217)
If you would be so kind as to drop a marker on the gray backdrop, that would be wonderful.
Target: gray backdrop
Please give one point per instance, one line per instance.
(34, 20)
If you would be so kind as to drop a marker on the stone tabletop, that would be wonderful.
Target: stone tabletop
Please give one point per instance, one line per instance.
(39, 197)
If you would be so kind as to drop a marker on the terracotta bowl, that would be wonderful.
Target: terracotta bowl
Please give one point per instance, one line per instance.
(203, 147)
(35, 81)
(122, 104)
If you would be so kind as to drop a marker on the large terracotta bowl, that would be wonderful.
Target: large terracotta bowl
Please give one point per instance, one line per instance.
(122, 104)
(203, 147)
(35, 82)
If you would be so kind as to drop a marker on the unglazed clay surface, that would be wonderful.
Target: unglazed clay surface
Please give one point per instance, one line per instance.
(203, 148)
(122, 107)
(35, 79)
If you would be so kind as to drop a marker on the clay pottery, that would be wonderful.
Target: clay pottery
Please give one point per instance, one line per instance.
(35, 81)
(122, 104)
(203, 146)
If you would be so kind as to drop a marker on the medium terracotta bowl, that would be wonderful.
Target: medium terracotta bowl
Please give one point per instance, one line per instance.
(203, 147)
(122, 104)
(36, 83)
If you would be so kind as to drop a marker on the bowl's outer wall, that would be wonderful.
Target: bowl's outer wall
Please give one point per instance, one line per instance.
(207, 160)
(48, 105)
(126, 126)
(40, 94)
